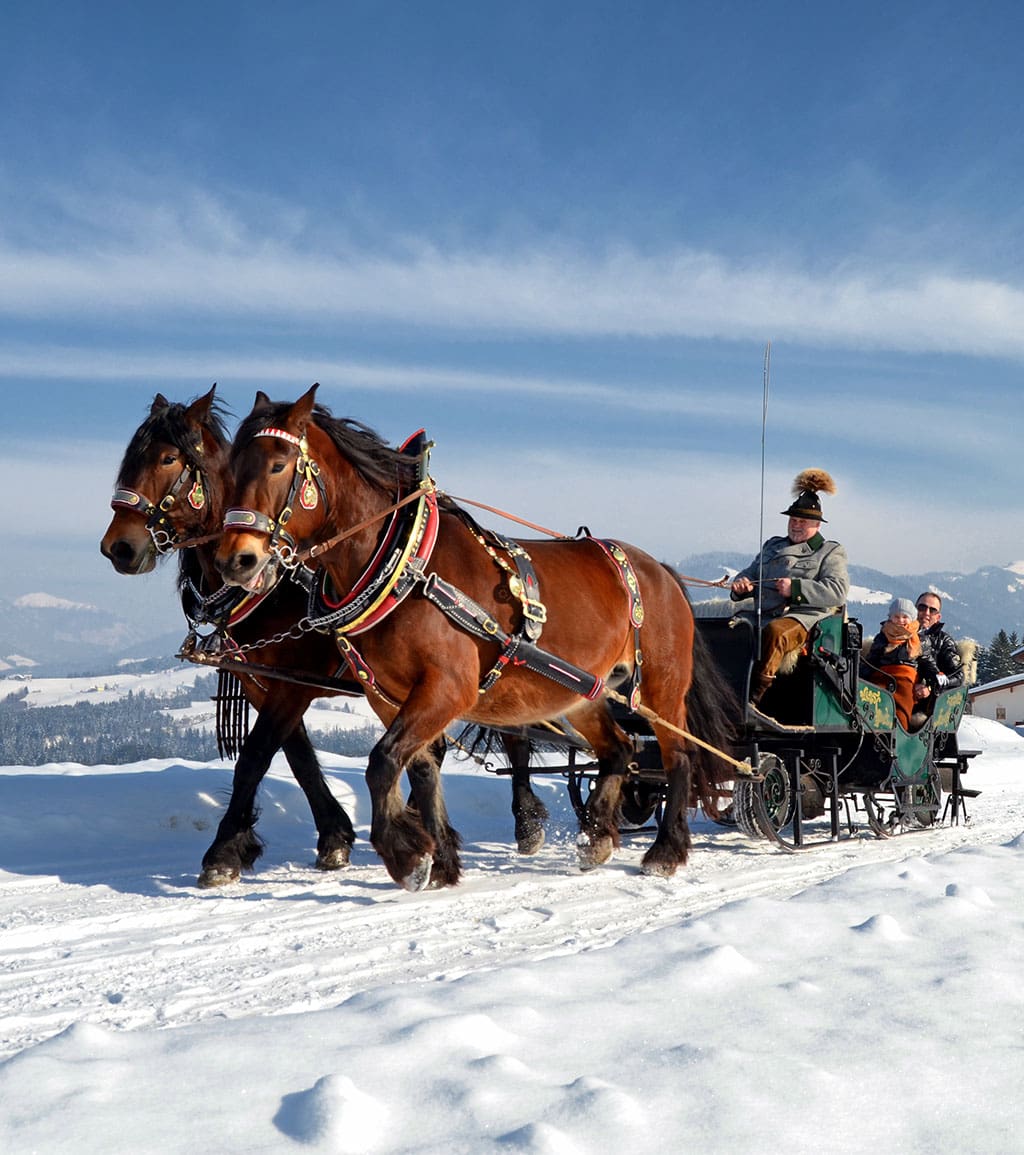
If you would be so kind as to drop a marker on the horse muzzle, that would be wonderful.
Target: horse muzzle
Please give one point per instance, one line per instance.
(251, 569)
(127, 558)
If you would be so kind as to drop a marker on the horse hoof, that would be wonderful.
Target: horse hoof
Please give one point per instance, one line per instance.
(530, 842)
(419, 877)
(593, 852)
(658, 869)
(214, 876)
(333, 859)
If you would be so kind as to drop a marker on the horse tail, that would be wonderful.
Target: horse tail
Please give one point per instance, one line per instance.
(477, 742)
(713, 714)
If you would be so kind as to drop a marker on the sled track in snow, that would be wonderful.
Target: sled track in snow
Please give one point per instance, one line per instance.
(130, 948)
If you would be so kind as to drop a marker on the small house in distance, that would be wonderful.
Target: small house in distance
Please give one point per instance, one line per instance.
(1001, 700)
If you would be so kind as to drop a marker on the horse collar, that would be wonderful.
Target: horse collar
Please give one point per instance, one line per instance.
(397, 564)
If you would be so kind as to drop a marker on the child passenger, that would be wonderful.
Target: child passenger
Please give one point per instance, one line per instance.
(900, 655)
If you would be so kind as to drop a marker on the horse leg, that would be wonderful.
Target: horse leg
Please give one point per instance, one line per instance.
(599, 827)
(424, 772)
(396, 831)
(237, 845)
(529, 812)
(671, 846)
(398, 834)
(335, 833)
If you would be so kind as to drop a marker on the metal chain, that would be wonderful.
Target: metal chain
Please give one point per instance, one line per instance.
(302, 627)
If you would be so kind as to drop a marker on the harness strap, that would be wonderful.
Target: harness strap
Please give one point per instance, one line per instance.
(474, 619)
(627, 575)
(522, 581)
(156, 513)
(306, 487)
(361, 669)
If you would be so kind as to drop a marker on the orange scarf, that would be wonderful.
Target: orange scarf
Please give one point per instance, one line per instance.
(897, 635)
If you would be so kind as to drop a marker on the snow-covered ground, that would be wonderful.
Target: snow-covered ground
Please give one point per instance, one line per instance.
(859, 996)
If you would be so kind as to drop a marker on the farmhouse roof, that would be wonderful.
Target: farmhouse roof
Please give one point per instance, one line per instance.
(998, 684)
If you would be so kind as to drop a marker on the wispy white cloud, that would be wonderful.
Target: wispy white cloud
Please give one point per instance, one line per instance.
(201, 259)
(194, 368)
(676, 504)
(881, 419)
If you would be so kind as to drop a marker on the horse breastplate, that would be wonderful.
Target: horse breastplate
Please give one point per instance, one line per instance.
(399, 561)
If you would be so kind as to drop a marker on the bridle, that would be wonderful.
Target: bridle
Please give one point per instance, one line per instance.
(306, 488)
(165, 536)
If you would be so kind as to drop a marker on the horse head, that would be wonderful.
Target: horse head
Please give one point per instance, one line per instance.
(275, 485)
(169, 485)
(299, 474)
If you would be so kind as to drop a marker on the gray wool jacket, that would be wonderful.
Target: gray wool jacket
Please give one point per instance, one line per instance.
(817, 569)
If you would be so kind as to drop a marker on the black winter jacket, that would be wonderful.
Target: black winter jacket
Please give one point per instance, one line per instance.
(946, 655)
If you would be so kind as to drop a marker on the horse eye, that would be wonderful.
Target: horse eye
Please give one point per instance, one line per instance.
(277, 467)
(169, 459)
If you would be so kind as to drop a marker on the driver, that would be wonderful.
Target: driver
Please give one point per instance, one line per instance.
(803, 579)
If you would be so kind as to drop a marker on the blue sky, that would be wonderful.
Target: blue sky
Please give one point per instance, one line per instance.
(558, 235)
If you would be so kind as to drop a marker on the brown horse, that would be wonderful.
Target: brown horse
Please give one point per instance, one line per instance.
(169, 491)
(157, 510)
(440, 639)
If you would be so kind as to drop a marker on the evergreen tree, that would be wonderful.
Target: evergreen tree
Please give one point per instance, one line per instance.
(995, 660)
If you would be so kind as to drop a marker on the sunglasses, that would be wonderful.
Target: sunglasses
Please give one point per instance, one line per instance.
(922, 609)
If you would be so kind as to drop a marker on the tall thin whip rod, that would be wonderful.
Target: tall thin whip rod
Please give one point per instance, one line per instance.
(766, 375)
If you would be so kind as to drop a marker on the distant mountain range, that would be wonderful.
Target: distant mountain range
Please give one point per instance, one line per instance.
(48, 635)
(976, 605)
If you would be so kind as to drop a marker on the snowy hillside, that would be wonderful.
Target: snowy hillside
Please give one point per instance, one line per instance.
(533, 1009)
(324, 713)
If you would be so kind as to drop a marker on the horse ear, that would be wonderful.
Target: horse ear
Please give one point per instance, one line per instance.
(302, 410)
(198, 412)
(262, 402)
(160, 403)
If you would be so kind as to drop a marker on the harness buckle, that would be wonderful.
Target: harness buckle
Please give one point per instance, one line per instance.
(534, 610)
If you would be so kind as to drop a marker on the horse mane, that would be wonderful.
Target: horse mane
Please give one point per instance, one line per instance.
(448, 505)
(171, 425)
(378, 463)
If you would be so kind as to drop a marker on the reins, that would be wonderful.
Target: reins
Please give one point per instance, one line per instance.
(719, 584)
(426, 486)
(744, 768)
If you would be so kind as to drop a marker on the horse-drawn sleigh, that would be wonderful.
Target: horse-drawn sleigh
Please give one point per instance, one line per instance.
(322, 560)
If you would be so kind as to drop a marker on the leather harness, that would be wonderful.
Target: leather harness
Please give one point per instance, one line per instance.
(399, 565)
